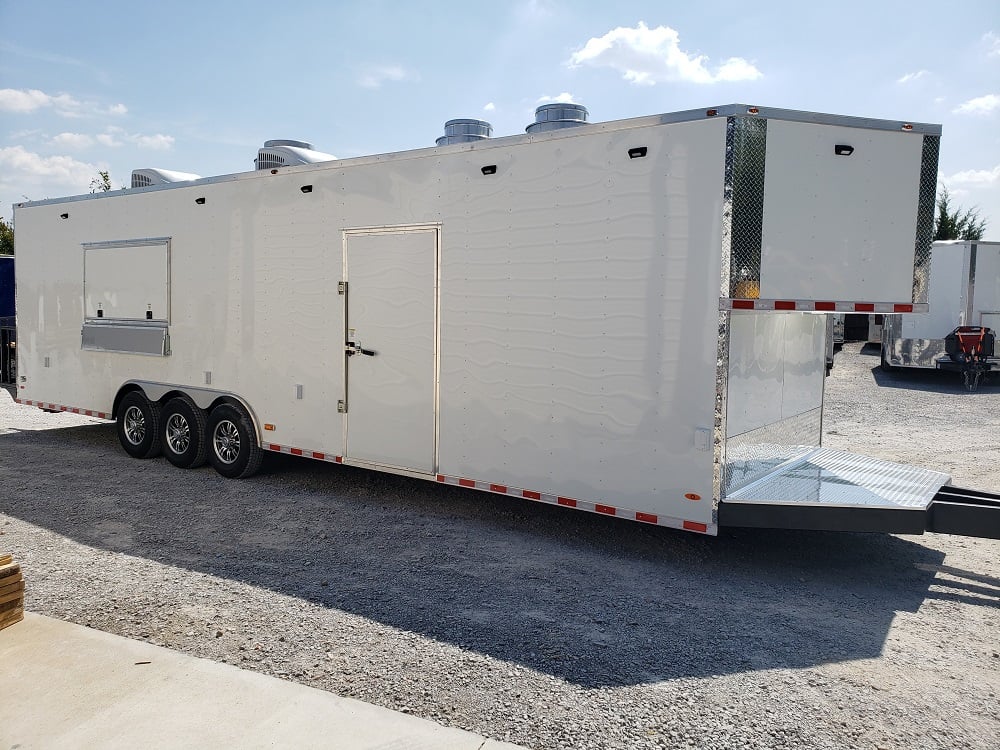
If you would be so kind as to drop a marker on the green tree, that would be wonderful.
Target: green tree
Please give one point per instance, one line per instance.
(6, 238)
(957, 224)
(101, 183)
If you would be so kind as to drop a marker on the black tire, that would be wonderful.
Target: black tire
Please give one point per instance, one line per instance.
(232, 442)
(138, 425)
(183, 434)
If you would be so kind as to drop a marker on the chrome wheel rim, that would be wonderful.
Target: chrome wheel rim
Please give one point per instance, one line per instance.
(178, 433)
(226, 441)
(135, 425)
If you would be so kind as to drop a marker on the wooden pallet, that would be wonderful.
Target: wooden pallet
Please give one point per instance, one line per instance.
(11, 592)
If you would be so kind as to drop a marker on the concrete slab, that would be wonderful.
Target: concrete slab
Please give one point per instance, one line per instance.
(68, 686)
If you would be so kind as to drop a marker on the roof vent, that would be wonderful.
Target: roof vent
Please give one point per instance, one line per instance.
(556, 116)
(464, 131)
(146, 177)
(287, 153)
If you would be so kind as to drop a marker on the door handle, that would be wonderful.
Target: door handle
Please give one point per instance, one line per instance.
(352, 348)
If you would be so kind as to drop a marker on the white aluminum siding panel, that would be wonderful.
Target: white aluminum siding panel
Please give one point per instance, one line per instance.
(579, 318)
(839, 227)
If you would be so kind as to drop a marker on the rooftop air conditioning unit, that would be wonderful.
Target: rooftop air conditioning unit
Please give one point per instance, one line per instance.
(146, 177)
(286, 153)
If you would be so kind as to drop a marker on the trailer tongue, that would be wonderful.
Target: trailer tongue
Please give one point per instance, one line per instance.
(966, 512)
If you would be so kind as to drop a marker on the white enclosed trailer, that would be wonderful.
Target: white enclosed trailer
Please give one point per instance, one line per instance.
(964, 293)
(617, 317)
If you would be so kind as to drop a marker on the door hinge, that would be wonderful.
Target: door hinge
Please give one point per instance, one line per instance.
(341, 287)
(342, 406)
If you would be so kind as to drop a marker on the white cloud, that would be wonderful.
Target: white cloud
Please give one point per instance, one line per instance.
(490, 107)
(737, 69)
(115, 137)
(649, 56)
(29, 100)
(981, 177)
(15, 159)
(158, 142)
(25, 101)
(25, 175)
(981, 105)
(911, 77)
(563, 98)
(376, 76)
(73, 140)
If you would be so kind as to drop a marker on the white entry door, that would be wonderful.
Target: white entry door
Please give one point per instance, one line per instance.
(391, 347)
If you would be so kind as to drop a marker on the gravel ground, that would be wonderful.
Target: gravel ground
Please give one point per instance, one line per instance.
(538, 625)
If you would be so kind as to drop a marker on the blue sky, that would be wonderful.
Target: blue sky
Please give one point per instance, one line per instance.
(199, 86)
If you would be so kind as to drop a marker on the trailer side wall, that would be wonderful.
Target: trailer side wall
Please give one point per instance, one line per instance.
(577, 304)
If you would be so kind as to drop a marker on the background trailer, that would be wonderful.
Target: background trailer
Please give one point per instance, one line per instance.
(964, 294)
(617, 317)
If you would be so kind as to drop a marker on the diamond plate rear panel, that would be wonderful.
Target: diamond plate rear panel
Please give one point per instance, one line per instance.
(832, 478)
(925, 217)
(756, 453)
(721, 404)
(743, 211)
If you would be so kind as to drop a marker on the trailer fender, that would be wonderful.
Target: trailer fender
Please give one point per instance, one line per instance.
(204, 398)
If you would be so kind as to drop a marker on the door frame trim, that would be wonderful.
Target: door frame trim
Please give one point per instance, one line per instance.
(346, 234)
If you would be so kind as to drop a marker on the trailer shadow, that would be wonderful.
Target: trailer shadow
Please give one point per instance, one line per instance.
(931, 381)
(592, 600)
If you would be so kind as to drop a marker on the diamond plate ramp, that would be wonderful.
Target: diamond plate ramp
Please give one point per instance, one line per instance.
(830, 478)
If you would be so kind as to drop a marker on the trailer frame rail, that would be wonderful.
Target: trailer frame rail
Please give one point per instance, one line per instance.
(953, 510)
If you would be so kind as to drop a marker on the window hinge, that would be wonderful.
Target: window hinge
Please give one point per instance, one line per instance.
(341, 287)
(342, 406)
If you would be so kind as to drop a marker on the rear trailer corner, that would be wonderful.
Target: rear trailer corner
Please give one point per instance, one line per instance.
(773, 472)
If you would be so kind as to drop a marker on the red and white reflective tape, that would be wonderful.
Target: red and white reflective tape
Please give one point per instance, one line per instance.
(60, 407)
(569, 502)
(821, 306)
(497, 489)
(503, 489)
(317, 455)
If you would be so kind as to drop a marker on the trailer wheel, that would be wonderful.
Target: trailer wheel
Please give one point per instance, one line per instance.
(183, 433)
(233, 449)
(138, 425)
